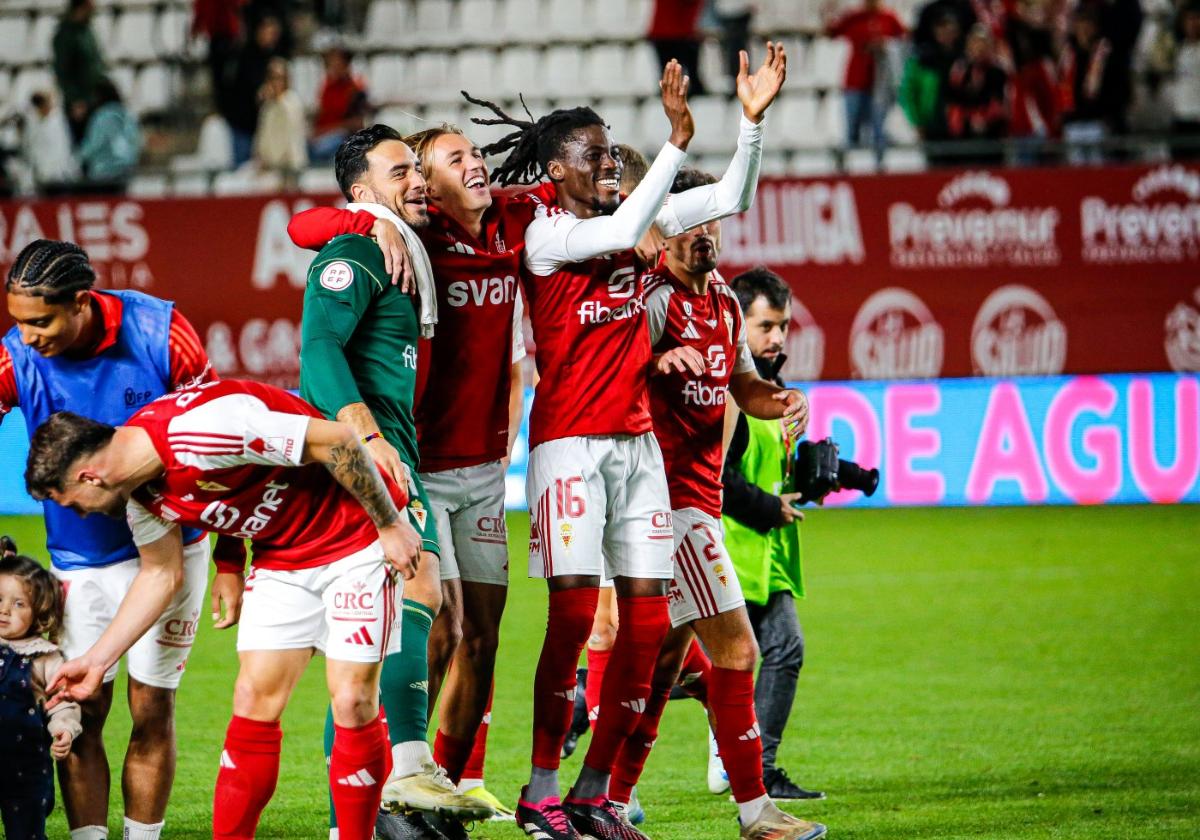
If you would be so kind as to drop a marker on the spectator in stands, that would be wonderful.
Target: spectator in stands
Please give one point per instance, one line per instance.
(1034, 95)
(1120, 25)
(242, 86)
(220, 21)
(934, 13)
(78, 64)
(977, 98)
(870, 85)
(47, 145)
(675, 33)
(342, 107)
(734, 18)
(279, 141)
(111, 144)
(923, 86)
(1186, 118)
(1089, 92)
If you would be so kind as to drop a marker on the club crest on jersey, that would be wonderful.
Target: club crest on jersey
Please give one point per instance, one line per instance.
(417, 511)
(721, 576)
(211, 486)
(687, 308)
(567, 533)
(337, 276)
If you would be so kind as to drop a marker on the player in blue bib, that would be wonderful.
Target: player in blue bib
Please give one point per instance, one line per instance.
(105, 355)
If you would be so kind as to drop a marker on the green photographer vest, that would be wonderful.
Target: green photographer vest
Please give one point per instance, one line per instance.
(765, 563)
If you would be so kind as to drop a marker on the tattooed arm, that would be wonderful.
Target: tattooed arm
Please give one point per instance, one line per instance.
(337, 446)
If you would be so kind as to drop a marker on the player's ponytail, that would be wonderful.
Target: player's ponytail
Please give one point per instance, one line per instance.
(51, 269)
(534, 143)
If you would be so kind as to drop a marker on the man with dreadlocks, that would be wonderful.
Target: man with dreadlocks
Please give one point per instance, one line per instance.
(105, 355)
(596, 485)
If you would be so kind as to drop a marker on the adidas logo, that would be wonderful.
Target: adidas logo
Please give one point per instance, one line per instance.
(638, 705)
(594, 713)
(360, 779)
(420, 685)
(751, 734)
(226, 761)
(568, 695)
(536, 833)
(690, 331)
(360, 637)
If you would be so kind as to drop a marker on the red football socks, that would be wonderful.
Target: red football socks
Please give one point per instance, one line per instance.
(451, 754)
(567, 629)
(246, 780)
(597, 662)
(632, 758)
(358, 768)
(642, 626)
(474, 768)
(731, 697)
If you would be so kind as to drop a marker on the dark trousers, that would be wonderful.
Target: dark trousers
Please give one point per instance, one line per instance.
(687, 52)
(26, 799)
(781, 642)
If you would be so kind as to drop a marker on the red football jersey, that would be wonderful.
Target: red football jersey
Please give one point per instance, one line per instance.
(464, 372)
(232, 453)
(689, 411)
(589, 326)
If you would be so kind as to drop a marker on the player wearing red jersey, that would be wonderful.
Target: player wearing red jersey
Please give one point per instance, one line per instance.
(474, 241)
(105, 354)
(250, 461)
(596, 485)
(692, 312)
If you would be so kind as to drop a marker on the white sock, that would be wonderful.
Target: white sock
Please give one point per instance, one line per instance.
(334, 835)
(409, 757)
(749, 812)
(469, 784)
(135, 830)
(90, 832)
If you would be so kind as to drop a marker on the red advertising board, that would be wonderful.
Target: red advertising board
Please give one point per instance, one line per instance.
(957, 273)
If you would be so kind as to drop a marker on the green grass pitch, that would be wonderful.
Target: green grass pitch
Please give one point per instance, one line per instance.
(1004, 673)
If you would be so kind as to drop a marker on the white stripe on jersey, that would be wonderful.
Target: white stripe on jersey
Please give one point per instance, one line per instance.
(235, 430)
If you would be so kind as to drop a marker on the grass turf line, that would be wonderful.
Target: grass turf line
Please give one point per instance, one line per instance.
(1001, 673)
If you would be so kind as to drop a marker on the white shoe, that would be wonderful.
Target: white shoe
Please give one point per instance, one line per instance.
(718, 779)
(430, 789)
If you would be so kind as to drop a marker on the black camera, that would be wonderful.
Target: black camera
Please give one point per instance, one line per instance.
(819, 471)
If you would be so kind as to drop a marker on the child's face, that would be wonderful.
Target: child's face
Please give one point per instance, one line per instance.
(16, 610)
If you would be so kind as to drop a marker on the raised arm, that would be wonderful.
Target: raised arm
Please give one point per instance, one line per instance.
(734, 193)
(552, 241)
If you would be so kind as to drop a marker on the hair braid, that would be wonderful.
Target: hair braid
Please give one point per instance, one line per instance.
(51, 269)
(534, 143)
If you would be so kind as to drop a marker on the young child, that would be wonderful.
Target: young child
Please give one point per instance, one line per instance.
(31, 608)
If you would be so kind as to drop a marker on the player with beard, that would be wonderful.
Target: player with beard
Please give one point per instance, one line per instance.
(596, 486)
(358, 364)
(691, 310)
(251, 462)
(474, 247)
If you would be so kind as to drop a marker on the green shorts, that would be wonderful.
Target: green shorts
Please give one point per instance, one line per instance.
(420, 514)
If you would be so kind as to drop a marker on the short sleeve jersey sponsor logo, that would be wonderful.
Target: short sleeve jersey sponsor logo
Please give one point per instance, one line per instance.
(337, 276)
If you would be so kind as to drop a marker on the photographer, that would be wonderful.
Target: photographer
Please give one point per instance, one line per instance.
(760, 527)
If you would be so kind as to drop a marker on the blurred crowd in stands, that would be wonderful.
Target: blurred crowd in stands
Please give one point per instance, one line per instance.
(980, 81)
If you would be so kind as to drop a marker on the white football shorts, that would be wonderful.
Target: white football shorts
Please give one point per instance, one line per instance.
(92, 597)
(468, 508)
(705, 583)
(599, 506)
(348, 609)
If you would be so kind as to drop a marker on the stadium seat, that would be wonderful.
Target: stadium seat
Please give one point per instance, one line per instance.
(14, 38)
(826, 67)
(712, 67)
(123, 76)
(773, 164)
(812, 164)
(569, 20)
(518, 67)
(903, 160)
(148, 186)
(797, 122)
(478, 20)
(639, 73)
(190, 184)
(41, 39)
(214, 150)
(716, 124)
(28, 81)
(621, 118)
(304, 77)
(432, 77)
(386, 77)
(637, 18)
(318, 180)
(602, 70)
(654, 129)
(173, 28)
(102, 25)
(246, 181)
(387, 21)
(860, 161)
(404, 120)
(522, 22)
(831, 120)
(477, 68)
(560, 76)
(132, 37)
(152, 89)
(434, 25)
(610, 18)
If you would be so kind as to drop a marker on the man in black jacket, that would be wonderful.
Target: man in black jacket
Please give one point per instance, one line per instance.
(761, 530)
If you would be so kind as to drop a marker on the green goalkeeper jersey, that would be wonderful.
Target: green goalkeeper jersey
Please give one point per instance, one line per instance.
(359, 340)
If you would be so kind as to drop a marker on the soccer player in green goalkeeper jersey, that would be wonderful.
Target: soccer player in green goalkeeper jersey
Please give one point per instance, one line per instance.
(358, 364)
